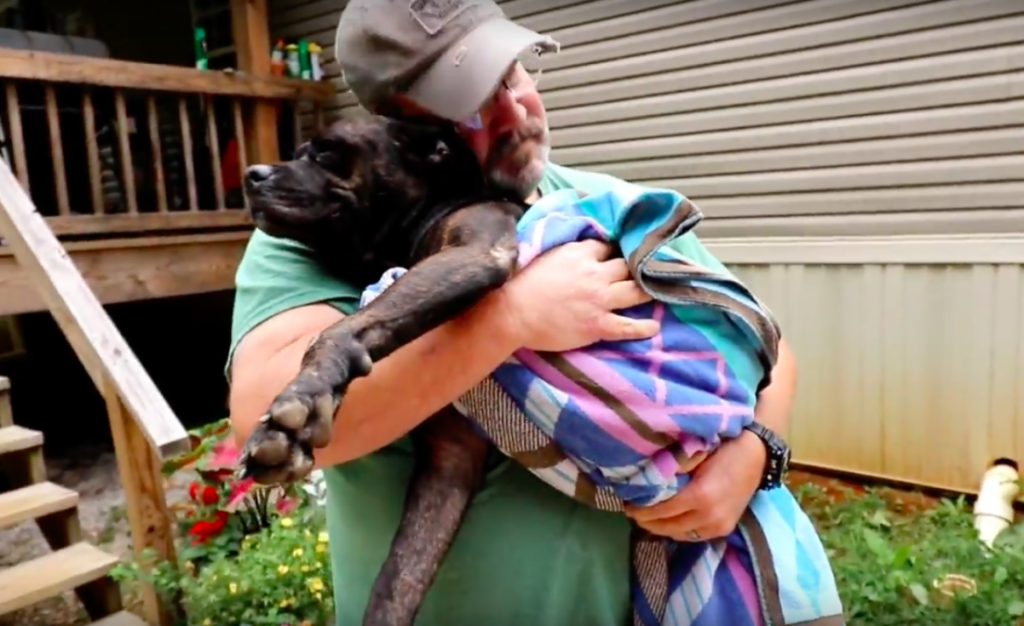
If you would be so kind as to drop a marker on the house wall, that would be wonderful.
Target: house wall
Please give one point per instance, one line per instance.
(856, 162)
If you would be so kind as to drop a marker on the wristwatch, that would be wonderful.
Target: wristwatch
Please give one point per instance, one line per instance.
(777, 462)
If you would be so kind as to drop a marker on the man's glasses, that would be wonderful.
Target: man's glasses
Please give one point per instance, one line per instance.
(517, 81)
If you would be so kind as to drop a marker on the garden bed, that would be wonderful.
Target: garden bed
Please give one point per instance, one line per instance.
(260, 558)
(901, 557)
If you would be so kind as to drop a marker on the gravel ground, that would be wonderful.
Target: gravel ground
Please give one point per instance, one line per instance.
(92, 472)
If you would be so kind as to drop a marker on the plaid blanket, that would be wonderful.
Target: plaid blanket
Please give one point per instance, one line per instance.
(628, 421)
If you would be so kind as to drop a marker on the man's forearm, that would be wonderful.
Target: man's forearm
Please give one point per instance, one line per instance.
(401, 390)
(417, 381)
(774, 404)
(775, 401)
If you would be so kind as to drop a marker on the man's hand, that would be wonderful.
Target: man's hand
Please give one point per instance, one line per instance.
(714, 500)
(721, 487)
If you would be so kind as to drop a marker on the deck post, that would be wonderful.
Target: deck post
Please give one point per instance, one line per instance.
(251, 31)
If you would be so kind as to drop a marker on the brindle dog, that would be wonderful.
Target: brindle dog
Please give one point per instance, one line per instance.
(366, 196)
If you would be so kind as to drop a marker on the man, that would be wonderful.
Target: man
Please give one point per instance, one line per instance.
(525, 554)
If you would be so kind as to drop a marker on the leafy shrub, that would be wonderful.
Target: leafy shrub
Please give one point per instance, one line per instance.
(893, 561)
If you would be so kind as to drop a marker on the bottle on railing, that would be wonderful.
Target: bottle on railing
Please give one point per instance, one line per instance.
(292, 60)
(317, 73)
(304, 71)
(202, 54)
(277, 59)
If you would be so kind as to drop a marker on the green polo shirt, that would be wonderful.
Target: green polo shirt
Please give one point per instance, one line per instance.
(526, 554)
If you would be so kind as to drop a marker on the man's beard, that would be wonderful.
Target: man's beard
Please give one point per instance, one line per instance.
(513, 168)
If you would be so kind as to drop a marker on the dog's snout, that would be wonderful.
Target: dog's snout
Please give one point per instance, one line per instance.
(259, 173)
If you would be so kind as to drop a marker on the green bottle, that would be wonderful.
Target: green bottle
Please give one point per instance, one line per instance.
(202, 58)
(304, 67)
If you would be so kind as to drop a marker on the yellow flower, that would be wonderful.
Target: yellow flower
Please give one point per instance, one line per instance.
(304, 568)
(322, 537)
(287, 522)
(207, 622)
(287, 602)
(282, 569)
(321, 547)
(297, 552)
(318, 597)
(315, 584)
(306, 533)
(233, 588)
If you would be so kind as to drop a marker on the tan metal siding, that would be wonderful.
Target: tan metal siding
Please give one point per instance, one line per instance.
(910, 350)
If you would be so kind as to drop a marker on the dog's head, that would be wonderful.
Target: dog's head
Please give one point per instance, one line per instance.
(356, 189)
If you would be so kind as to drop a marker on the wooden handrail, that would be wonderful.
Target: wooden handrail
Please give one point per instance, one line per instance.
(103, 351)
(68, 68)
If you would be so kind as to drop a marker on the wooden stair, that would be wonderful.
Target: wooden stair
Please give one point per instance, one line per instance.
(73, 563)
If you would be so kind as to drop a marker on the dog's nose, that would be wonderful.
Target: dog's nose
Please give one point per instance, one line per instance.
(258, 173)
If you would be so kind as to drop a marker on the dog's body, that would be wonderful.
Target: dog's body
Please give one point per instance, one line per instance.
(365, 197)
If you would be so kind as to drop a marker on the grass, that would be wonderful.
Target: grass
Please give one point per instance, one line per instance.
(890, 549)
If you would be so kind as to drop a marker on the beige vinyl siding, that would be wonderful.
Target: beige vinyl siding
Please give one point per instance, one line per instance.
(856, 161)
(779, 117)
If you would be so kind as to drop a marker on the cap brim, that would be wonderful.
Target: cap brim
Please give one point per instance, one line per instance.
(460, 81)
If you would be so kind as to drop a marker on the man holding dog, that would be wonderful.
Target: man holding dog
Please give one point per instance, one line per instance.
(525, 554)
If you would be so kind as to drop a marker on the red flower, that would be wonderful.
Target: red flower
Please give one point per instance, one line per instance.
(207, 496)
(210, 496)
(203, 530)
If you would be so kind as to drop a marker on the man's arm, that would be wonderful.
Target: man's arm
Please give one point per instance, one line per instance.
(564, 299)
(399, 393)
(775, 402)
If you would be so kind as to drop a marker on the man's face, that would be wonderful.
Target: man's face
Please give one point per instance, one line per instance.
(510, 135)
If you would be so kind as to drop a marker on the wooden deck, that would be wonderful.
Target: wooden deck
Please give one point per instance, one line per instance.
(120, 181)
(136, 167)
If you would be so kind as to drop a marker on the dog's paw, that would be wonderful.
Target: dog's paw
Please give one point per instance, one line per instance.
(301, 418)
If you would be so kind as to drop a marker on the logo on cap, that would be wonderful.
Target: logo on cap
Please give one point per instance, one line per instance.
(434, 14)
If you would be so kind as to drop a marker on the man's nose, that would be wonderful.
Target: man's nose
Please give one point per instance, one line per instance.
(508, 112)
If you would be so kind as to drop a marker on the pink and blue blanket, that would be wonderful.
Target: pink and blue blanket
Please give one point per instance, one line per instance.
(628, 421)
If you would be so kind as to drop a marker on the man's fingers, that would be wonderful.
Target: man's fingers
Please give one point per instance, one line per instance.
(678, 504)
(621, 328)
(625, 294)
(596, 248)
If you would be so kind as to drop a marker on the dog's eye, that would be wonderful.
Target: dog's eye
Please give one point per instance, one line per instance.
(340, 165)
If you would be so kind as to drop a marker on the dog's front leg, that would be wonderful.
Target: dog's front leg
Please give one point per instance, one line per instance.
(477, 252)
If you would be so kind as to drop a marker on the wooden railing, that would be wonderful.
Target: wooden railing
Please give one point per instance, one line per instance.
(116, 147)
(108, 193)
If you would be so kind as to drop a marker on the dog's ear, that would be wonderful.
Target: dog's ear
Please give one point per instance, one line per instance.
(301, 151)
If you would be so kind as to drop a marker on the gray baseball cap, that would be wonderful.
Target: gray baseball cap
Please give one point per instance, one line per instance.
(447, 56)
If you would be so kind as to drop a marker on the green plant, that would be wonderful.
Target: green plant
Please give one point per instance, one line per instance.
(280, 576)
(221, 509)
(892, 561)
(250, 555)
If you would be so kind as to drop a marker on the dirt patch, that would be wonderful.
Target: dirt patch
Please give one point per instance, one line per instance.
(92, 472)
(839, 490)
